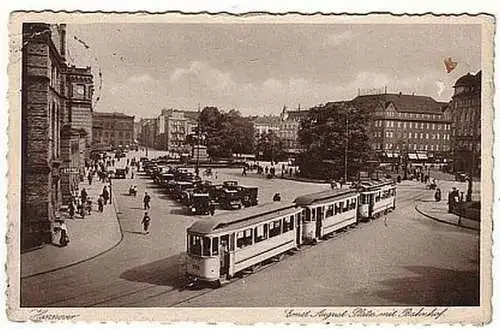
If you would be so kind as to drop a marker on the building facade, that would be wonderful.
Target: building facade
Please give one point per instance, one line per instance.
(111, 130)
(465, 107)
(417, 127)
(147, 132)
(43, 109)
(172, 128)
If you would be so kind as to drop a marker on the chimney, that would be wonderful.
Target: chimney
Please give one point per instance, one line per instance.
(400, 93)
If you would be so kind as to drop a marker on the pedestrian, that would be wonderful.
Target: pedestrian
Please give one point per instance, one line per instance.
(211, 209)
(385, 220)
(277, 197)
(64, 239)
(146, 220)
(244, 173)
(437, 195)
(132, 174)
(147, 200)
(266, 170)
(71, 208)
(333, 185)
(83, 196)
(100, 203)
(90, 177)
(105, 194)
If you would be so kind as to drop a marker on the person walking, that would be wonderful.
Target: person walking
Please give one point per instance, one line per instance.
(211, 209)
(146, 220)
(105, 194)
(90, 176)
(71, 208)
(147, 200)
(100, 203)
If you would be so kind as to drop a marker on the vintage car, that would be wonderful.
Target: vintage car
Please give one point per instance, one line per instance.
(199, 203)
(230, 199)
(179, 189)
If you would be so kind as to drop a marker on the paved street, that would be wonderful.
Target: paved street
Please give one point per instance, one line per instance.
(408, 259)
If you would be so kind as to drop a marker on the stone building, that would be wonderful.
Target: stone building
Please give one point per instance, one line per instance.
(43, 110)
(147, 132)
(110, 130)
(417, 127)
(465, 107)
(172, 129)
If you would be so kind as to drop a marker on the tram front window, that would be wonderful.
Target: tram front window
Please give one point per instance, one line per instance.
(206, 246)
(195, 245)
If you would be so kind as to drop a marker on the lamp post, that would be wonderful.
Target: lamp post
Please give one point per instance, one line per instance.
(346, 146)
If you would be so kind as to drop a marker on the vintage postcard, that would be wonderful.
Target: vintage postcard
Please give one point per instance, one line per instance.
(250, 168)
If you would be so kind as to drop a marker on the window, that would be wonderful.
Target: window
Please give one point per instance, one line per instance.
(329, 211)
(206, 246)
(427, 135)
(409, 135)
(338, 208)
(346, 206)
(437, 147)
(433, 126)
(421, 135)
(421, 125)
(404, 125)
(215, 246)
(244, 238)
(353, 204)
(411, 124)
(377, 197)
(260, 233)
(288, 224)
(275, 228)
(195, 245)
(399, 124)
(427, 125)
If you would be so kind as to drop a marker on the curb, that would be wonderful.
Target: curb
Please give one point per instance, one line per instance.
(443, 221)
(115, 206)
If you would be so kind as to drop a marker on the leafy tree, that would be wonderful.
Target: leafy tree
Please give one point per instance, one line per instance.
(271, 146)
(325, 132)
(226, 133)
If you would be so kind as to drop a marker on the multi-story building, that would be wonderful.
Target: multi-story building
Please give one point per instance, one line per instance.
(418, 127)
(465, 107)
(112, 130)
(147, 134)
(172, 128)
(289, 129)
(43, 110)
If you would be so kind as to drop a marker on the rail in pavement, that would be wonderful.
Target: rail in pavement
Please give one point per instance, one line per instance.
(89, 237)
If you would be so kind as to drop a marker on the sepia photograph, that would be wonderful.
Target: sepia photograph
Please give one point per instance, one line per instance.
(323, 169)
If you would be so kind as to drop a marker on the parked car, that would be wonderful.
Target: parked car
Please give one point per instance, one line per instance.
(199, 203)
(249, 195)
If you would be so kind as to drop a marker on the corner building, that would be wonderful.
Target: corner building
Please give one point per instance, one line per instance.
(43, 108)
(466, 108)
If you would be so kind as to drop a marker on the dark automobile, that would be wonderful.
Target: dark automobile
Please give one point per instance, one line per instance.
(230, 185)
(179, 189)
(460, 176)
(249, 195)
(199, 203)
(165, 178)
(120, 173)
(230, 199)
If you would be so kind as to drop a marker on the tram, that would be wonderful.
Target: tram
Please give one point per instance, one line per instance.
(220, 247)
(377, 197)
(326, 212)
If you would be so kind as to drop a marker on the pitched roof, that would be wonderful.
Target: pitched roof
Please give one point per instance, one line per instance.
(241, 218)
(330, 195)
(402, 103)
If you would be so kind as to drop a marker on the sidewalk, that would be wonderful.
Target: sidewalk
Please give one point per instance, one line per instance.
(89, 238)
(439, 212)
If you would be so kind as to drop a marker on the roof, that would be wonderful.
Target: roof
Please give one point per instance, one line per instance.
(402, 103)
(297, 115)
(242, 218)
(374, 184)
(114, 114)
(469, 80)
(308, 199)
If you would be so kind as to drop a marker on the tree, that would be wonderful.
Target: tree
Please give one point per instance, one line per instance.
(327, 132)
(226, 133)
(270, 146)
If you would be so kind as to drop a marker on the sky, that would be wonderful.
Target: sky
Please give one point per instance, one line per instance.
(259, 68)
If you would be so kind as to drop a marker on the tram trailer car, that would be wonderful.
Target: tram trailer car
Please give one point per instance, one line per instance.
(327, 211)
(377, 197)
(220, 247)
